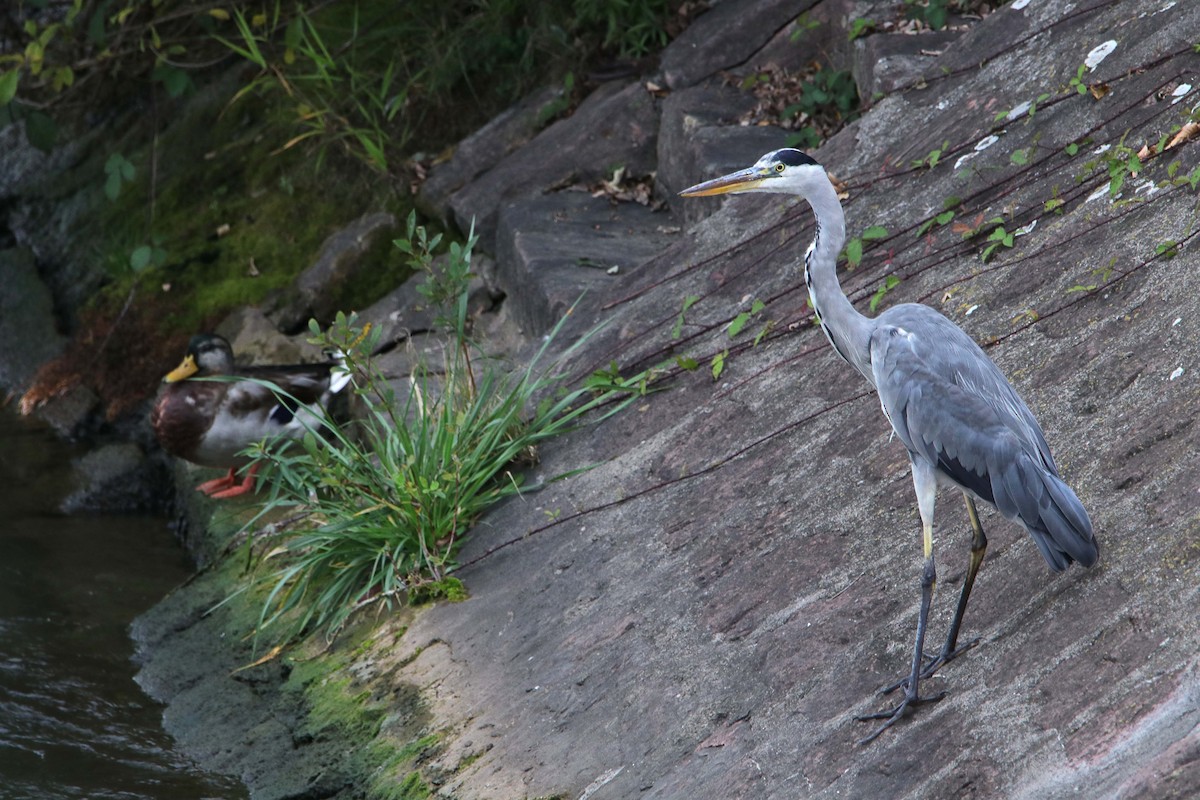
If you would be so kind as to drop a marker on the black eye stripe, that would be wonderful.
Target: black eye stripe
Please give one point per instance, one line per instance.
(794, 158)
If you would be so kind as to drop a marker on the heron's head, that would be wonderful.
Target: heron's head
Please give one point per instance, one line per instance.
(786, 171)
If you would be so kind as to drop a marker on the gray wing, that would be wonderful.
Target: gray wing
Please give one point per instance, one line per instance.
(952, 356)
(952, 408)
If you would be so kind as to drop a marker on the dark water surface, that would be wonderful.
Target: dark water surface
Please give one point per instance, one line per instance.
(73, 724)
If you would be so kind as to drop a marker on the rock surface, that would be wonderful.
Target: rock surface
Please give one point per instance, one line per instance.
(703, 613)
(553, 249)
(336, 264)
(26, 321)
(615, 126)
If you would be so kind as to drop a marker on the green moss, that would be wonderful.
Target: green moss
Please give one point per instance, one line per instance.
(385, 736)
(412, 787)
(232, 217)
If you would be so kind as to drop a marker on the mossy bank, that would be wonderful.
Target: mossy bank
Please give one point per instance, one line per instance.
(312, 721)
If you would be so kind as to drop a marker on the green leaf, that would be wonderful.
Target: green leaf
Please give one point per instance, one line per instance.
(888, 284)
(1019, 157)
(944, 217)
(140, 258)
(854, 252)
(8, 86)
(718, 364)
(175, 80)
(1168, 249)
(41, 130)
(874, 232)
(1072, 149)
(686, 363)
(112, 186)
(738, 323)
(63, 77)
(860, 27)
(677, 328)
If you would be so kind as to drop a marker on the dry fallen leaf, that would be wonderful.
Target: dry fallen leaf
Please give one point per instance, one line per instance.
(1186, 134)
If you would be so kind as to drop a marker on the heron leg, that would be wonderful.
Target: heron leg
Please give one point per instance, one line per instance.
(926, 485)
(911, 684)
(951, 650)
(978, 547)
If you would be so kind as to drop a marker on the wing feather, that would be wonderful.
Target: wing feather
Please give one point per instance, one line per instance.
(952, 408)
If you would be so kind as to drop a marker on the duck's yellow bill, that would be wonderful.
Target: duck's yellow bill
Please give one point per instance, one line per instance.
(186, 369)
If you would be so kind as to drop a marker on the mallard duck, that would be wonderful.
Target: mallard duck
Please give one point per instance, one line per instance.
(210, 422)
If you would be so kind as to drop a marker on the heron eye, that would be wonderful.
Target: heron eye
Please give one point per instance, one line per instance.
(780, 167)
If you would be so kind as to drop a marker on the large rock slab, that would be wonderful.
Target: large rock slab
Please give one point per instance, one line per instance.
(485, 148)
(702, 614)
(554, 248)
(615, 126)
(884, 63)
(725, 36)
(699, 138)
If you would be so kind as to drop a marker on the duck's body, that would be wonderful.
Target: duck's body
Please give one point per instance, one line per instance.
(210, 423)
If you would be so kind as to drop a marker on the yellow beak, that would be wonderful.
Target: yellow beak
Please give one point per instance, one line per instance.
(738, 181)
(186, 369)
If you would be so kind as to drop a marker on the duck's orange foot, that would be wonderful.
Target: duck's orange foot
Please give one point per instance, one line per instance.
(229, 485)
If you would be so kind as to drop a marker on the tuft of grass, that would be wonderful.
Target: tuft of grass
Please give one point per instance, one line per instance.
(386, 504)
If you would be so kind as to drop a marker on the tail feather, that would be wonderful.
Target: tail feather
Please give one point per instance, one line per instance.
(1062, 530)
(1026, 492)
(339, 372)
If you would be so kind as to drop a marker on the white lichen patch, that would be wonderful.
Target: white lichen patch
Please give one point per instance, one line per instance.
(1017, 6)
(1098, 54)
(1149, 188)
(1181, 91)
(980, 146)
(1018, 110)
(1096, 195)
(986, 142)
(1024, 229)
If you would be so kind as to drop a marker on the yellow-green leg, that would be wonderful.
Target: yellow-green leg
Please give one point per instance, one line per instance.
(925, 483)
(951, 650)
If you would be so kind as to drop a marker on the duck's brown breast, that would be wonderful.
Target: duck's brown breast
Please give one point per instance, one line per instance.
(182, 416)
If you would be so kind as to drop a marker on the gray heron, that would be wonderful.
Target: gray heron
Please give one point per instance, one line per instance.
(961, 421)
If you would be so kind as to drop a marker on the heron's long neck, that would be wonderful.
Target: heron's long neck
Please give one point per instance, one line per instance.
(848, 331)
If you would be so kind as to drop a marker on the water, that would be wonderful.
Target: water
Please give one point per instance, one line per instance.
(73, 724)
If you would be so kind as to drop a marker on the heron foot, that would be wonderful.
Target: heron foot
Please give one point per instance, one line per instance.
(911, 700)
(935, 663)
